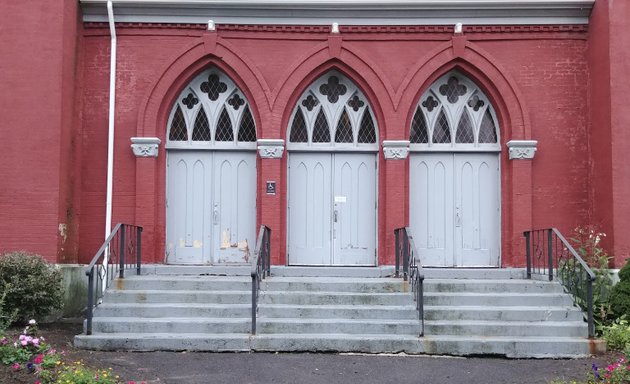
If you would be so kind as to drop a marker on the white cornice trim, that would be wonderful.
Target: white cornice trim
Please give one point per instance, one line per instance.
(344, 12)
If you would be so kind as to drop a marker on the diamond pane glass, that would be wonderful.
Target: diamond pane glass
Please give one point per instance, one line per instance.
(441, 131)
(247, 128)
(224, 128)
(321, 132)
(367, 131)
(178, 127)
(201, 130)
(464, 132)
(344, 129)
(419, 132)
(298, 129)
(487, 130)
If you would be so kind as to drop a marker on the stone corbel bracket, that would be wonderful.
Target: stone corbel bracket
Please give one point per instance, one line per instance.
(395, 149)
(145, 146)
(270, 148)
(522, 149)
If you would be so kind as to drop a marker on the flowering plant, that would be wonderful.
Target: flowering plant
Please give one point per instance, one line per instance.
(615, 373)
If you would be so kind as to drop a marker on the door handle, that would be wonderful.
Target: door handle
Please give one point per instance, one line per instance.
(335, 214)
(458, 216)
(215, 214)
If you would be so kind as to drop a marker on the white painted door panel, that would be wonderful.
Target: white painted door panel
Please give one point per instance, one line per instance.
(310, 195)
(354, 209)
(477, 210)
(332, 209)
(234, 206)
(211, 206)
(454, 208)
(431, 207)
(188, 207)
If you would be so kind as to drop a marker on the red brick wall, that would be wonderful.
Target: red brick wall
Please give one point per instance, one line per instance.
(38, 207)
(609, 62)
(538, 81)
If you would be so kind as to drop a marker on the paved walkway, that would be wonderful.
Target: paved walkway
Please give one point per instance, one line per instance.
(303, 368)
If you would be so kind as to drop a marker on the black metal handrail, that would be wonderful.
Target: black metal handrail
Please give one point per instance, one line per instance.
(121, 251)
(261, 267)
(407, 253)
(547, 252)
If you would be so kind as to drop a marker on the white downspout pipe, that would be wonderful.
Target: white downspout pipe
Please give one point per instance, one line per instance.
(112, 109)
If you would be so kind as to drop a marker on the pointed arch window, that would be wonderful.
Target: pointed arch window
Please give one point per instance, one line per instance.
(454, 113)
(211, 112)
(334, 113)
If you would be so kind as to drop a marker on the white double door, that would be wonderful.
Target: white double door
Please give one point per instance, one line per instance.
(210, 207)
(454, 208)
(332, 209)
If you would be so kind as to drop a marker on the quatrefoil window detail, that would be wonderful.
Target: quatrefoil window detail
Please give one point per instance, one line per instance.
(336, 122)
(355, 103)
(430, 103)
(442, 120)
(190, 101)
(236, 101)
(475, 103)
(213, 87)
(453, 90)
(310, 102)
(333, 89)
(224, 117)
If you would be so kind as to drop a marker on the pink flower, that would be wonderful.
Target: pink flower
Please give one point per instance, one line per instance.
(38, 382)
(36, 342)
(15, 366)
(24, 342)
(38, 359)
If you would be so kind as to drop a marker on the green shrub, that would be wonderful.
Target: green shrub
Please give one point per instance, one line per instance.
(620, 295)
(617, 335)
(620, 299)
(7, 316)
(32, 287)
(624, 273)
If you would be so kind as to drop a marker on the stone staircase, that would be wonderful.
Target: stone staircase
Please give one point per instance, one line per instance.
(467, 312)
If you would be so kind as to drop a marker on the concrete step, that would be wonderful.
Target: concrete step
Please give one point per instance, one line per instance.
(334, 298)
(497, 299)
(171, 325)
(503, 313)
(400, 312)
(491, 286)
(507, 328)
(319, 272)
(197, 270)
(513, 347)
(316, 342)
(335, 326)
(220, 342)
(334, 284)
(178, 296)
(474, 273)
(184, 283)
(172, 310)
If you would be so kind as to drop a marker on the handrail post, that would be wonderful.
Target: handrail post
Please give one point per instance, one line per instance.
(397, 250)
(121, 256)
(528, 253)
(138, 249)
(254, 302)
(405, 255)
(550, 253)
(421, 303)
(90, 301)
(589, 299)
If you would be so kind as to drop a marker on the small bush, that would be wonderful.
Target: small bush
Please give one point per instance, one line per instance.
(617, 335)
(31, 287)
(620, 295)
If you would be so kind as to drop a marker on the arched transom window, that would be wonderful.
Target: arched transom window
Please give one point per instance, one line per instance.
(454, 113)
(332, 113)
(211, 112)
